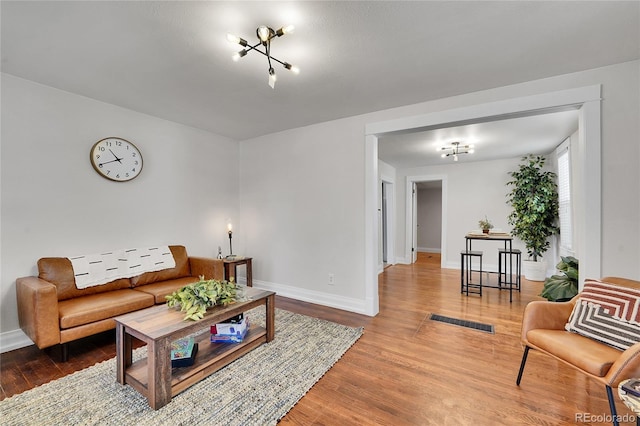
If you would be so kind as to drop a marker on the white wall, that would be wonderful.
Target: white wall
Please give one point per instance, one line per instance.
(429, 220)
(301, 197)
(55, 204)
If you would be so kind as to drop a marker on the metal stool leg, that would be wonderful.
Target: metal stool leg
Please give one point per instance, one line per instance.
(480, 274)
(461, 273)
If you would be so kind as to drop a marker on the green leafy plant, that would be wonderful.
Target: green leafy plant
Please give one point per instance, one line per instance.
(194, 299)
(562, 287)
(485, 224)
(534, 198)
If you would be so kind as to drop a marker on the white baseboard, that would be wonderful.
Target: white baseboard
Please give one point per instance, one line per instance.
(428, 250)
(14, 339)
(334, 301)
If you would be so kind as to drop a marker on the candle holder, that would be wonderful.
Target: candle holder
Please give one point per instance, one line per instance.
(230, 231)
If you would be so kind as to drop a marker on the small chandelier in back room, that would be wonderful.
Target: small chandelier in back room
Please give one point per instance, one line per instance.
(455, 149)
(265, 35)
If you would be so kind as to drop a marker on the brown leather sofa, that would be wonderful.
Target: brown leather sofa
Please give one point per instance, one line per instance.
(543, 329)
(52, 311)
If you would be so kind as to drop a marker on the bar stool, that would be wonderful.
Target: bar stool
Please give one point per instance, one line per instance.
(466, 269)
(509, 270)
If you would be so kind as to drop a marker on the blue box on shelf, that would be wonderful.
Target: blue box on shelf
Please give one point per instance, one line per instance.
(229, 332)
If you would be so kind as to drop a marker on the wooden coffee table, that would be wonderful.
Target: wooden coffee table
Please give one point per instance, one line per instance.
(160, 325)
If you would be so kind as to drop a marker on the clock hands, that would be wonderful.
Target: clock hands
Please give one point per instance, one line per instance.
(112, 161)
(119, 160)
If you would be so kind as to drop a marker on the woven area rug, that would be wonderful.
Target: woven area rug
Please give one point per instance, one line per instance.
(257, 389)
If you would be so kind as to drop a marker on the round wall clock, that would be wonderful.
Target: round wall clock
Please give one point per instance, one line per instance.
(116, 159)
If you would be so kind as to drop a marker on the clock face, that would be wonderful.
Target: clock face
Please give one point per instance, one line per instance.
(116, 159)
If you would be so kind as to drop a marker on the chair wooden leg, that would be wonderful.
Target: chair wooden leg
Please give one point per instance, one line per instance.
(522, 363)
(612, 406)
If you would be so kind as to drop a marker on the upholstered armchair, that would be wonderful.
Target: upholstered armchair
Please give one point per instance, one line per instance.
(543, 329)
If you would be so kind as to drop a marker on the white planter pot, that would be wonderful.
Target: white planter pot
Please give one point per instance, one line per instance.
(534, 271)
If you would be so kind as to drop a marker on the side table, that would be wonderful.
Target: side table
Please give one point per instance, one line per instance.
(231, 269)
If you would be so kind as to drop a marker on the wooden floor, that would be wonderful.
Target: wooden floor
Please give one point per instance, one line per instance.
(405, 369)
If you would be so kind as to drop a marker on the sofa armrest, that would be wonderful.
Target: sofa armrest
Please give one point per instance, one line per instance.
(545, 315)
(625, 367)
(38, 310)
(207, 267)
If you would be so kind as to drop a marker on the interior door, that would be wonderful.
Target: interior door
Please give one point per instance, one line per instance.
(414, 222)
(385, 255)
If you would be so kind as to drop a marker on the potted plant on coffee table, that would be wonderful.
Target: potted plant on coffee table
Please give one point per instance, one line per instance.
(534, 198)
(194, 299)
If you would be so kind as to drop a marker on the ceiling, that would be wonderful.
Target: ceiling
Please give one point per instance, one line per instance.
(172, 60)
(509, 138)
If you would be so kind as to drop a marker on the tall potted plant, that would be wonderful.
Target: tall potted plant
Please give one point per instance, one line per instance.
(534, 198)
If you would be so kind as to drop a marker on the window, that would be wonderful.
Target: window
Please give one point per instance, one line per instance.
(564, 198)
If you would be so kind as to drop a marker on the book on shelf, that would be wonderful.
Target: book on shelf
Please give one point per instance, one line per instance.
(183, 352)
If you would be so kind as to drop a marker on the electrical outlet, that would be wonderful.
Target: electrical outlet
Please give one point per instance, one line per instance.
(331, 279)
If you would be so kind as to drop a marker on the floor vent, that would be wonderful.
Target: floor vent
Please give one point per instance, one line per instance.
(487, 328)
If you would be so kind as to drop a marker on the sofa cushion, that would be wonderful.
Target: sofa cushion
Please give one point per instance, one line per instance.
(162, 289)
(607, 313)
(585, 353)
(96, 307)
(180, 270)
(59, 272)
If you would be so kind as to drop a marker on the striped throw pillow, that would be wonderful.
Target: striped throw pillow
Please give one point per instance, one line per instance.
(607, 313)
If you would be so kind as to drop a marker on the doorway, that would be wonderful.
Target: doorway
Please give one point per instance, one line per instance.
(424, 194)
(428, 219)
(387, 225)
(588, 102)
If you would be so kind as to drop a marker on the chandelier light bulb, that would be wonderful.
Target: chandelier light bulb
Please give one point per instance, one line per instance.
(272, 78)
(292, 68)
(233, 38)
(236, 56)
(263, 33)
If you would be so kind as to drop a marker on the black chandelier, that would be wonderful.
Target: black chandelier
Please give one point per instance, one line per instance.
(456, 149)
(265, 35)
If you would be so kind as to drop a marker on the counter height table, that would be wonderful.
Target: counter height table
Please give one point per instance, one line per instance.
(508, 249)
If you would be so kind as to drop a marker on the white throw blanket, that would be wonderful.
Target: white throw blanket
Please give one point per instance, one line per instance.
(96, 269)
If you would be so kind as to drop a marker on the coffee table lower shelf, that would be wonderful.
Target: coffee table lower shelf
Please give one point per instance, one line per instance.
(211, 357)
